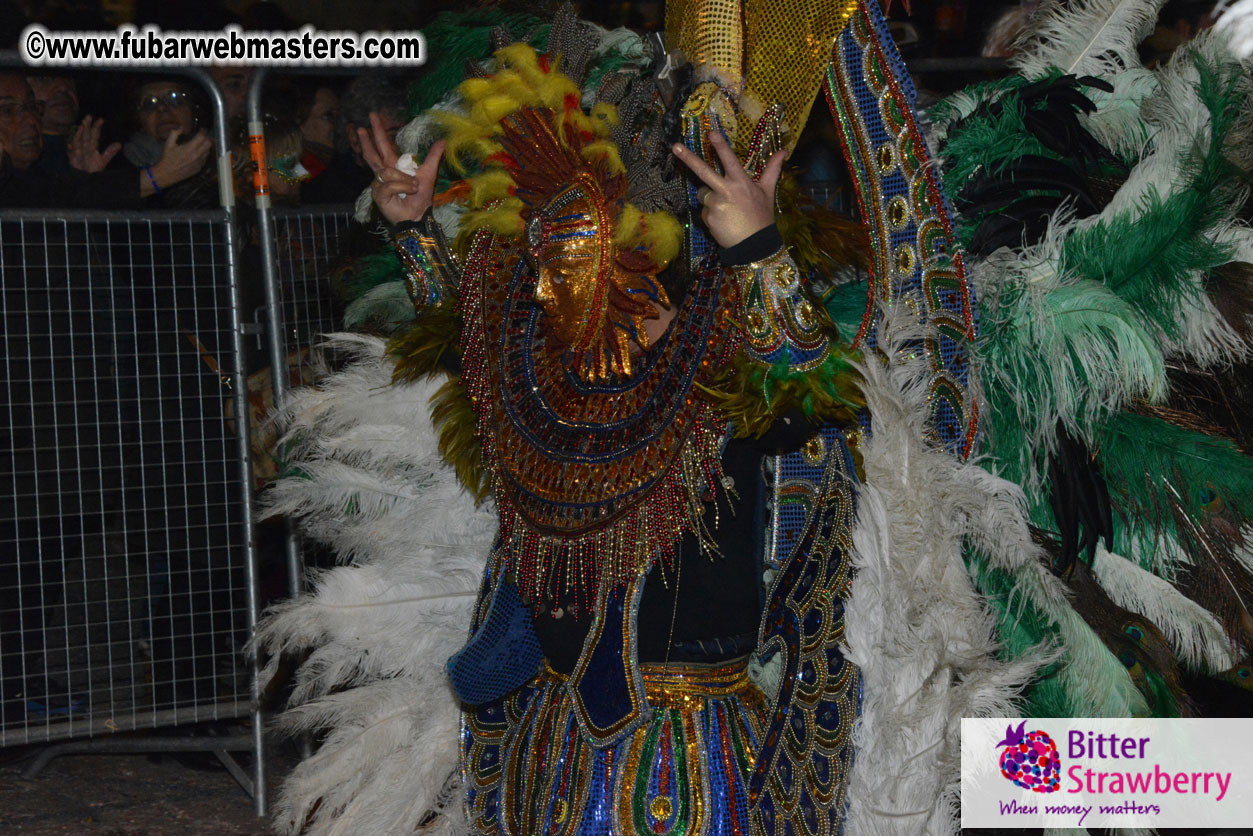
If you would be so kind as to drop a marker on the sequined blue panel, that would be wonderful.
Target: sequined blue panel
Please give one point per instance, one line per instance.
(680, 774)
(917, 267)
(503, 653)
(802, 765)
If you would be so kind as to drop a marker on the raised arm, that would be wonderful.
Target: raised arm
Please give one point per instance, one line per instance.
(405, 199)
(780, 323)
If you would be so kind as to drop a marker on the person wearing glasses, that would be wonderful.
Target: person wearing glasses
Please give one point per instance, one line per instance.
(87, 184)
(169, 147)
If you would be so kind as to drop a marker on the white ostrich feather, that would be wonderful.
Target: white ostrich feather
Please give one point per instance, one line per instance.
(1097, 37)
(1086, 37)
(367, 776)
(381, 629)
(1236, 22)
(1245, 553)
(1117, 122)
(1178, 125)
(921, 634)
(950, 110)
(1057, 330)
(1194, 634)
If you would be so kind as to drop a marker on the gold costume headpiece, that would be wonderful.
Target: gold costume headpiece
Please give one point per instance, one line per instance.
(551, 173)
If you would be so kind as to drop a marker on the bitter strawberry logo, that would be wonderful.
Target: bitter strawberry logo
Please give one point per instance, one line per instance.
(1030, 760)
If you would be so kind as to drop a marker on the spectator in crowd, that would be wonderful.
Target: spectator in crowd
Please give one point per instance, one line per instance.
(348, 174)
(59, 97)
(1178, 22)
(86, 184)
(317, 130)
(285, 173)
(168, 122)
(233, 81)
(303, 109)
(20, 115)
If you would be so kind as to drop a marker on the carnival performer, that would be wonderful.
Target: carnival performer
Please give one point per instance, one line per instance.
(628, 570)
(725, 574)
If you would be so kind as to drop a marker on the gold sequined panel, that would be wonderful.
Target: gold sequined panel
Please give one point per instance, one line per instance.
(685, 686)
(709, 32)
(780, 49)
(788, 45)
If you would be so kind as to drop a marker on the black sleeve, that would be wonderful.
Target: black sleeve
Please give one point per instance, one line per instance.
(107, 189)
(761, 244)
(69, 190)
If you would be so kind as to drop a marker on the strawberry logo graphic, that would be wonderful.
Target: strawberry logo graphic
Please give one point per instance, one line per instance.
(1030, 760)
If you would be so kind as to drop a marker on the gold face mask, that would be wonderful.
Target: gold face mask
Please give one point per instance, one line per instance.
(595, 295)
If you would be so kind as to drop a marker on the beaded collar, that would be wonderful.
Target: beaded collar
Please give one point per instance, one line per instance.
(593, 481)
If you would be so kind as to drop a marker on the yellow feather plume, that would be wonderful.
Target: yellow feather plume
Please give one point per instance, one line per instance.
(503, 218)
(550, 88)
(662, 234)
(475, 88)
(606, 118)
(521, 83)
(606, 153)
(659, 233)
(490, 186)
(492, 108)
(627, 229)
(466, 138)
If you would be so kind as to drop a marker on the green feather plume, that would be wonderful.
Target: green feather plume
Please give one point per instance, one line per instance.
(1053, 349)
(985, 140)
(422, 350)
(367, 273)
(1151, 254)
(1146, 458)
(456, 37)
(1088, 680)
(753, 396)
(846, 304)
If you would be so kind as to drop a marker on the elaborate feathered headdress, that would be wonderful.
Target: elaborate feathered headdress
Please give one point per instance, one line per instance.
(551, 172)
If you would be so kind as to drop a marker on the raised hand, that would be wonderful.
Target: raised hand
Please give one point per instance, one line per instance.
(400, 196)
(733, 205)
(180, 161)
(84, 151)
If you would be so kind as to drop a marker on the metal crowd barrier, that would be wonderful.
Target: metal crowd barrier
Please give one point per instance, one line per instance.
(308, 246)
(299, 306)
(127, 561)
(125, 549)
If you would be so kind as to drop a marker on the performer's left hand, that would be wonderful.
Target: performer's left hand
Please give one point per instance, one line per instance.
(733, 205)
(84, 151)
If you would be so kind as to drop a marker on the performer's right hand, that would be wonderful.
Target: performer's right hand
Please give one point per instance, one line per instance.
(399, 196)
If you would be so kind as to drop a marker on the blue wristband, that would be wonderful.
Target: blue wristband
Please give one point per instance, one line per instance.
(155, 188)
